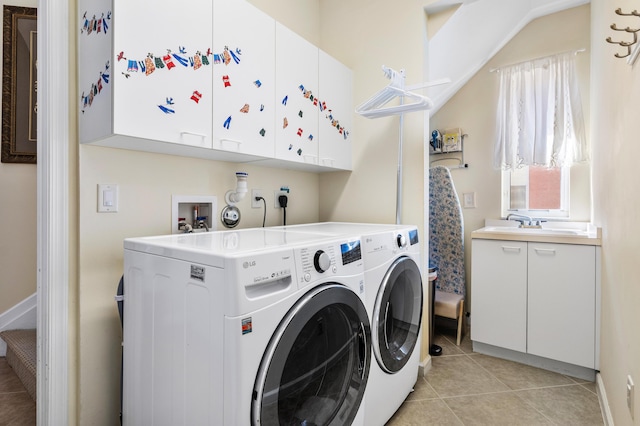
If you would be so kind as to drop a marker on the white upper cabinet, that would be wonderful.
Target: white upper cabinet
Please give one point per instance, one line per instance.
(336, 114)
(297, 101)
(143, 77)
(243, 79)
(210, 79)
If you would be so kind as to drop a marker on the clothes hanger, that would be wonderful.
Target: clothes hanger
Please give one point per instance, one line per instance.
(374, 106)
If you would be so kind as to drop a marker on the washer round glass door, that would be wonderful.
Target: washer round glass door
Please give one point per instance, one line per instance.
(316, 365)
(397, 315)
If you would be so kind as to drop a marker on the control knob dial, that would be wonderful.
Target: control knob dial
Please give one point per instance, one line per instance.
(321, 261)
(401, 240)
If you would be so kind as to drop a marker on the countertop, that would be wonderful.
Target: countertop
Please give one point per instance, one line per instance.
(591, 238)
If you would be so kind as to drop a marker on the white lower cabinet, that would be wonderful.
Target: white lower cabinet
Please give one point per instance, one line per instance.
(536, 298)
(499, 293)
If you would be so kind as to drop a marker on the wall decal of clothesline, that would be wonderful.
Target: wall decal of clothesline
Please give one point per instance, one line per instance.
(95, 25)
(323, 107)
(86, 99)
(182, 59)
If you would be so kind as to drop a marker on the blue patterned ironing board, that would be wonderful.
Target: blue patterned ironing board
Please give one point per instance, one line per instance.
(446, 232)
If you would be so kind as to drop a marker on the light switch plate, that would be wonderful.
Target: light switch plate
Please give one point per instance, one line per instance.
(469, 200)
(107, 198)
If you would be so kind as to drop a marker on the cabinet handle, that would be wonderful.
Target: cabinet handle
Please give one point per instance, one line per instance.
(328, 161)
(511, 248)
(184, 136)
(238, 143)
(545, 251)
(313, 158)
(193, 134)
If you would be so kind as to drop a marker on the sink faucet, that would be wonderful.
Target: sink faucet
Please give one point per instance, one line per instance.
(523, 219)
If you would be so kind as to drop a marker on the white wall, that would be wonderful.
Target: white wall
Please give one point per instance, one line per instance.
(366, 35)
(473, 109)
(615, 130)
(17, 224)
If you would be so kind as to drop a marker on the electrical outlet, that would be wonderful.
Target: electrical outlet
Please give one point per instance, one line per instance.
(630, 394)
(256, 204)
(276, 196)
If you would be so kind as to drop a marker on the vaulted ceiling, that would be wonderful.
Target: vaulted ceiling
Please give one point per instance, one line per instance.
(474, 31)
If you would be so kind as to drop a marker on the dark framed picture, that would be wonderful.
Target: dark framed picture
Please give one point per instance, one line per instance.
(19, 85)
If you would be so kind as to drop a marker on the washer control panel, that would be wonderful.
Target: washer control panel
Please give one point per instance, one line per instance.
(326, 260)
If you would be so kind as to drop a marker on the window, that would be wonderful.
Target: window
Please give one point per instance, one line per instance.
(540, 134)
(536, 191)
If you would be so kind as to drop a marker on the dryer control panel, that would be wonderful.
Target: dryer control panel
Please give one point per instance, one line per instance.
(327, 260)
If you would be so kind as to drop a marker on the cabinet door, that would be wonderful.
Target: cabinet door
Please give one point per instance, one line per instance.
(562, 297)
(243, 78)
(499, 293)
(336, 113)
(162, 70)
(297, 100)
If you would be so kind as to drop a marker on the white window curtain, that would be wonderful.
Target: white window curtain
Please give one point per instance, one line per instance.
(539, 115)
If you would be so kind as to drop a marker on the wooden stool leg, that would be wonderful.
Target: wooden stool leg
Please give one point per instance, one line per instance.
(460, 317)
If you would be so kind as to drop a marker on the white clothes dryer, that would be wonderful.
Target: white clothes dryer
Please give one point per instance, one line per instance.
(247, 327)
(394, 300)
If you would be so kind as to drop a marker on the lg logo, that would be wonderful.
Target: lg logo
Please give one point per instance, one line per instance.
(248, 264)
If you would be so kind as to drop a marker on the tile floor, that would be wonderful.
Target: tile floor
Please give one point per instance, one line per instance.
(16, 406)
(466, 388)
(462, 388)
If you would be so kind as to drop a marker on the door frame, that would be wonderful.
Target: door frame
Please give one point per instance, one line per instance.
(54, 96)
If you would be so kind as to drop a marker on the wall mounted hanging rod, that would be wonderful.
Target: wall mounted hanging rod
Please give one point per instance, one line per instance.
(574, 51)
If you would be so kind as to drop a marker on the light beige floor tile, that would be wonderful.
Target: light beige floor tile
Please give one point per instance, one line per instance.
(495, 409)
(459, 375)
(590, 386)
(565, 405)
(422, 390)
(448, 347)
(519, 376)
(433, 412)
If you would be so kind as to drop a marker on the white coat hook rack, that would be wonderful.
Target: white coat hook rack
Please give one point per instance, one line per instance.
(631, 53)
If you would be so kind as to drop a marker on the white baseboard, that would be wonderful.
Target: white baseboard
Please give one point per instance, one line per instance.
(21, 316)
(604, 402)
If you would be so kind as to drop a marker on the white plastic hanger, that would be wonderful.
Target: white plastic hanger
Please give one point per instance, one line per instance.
(374, 107)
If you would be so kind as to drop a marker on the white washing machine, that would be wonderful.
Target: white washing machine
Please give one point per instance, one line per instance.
(394, 300)
(248, 327)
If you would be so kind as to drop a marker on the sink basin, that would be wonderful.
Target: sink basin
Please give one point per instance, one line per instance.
(534, 231)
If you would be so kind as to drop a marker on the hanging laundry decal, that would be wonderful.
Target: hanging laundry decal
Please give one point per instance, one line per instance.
(149, 65)
(285, 123)
(225, 81)
(322, 105)
(167, 107)
(95, 25)
(245, 109)
(196, 96)
(227, 123)
(87, 98)
(262, 132)
(258, 83)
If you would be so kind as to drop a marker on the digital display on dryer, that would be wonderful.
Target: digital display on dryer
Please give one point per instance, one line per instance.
(413, 236)
(351, 252)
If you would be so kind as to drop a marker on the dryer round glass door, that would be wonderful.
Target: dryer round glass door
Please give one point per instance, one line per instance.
(397, 315)
(316, 365)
